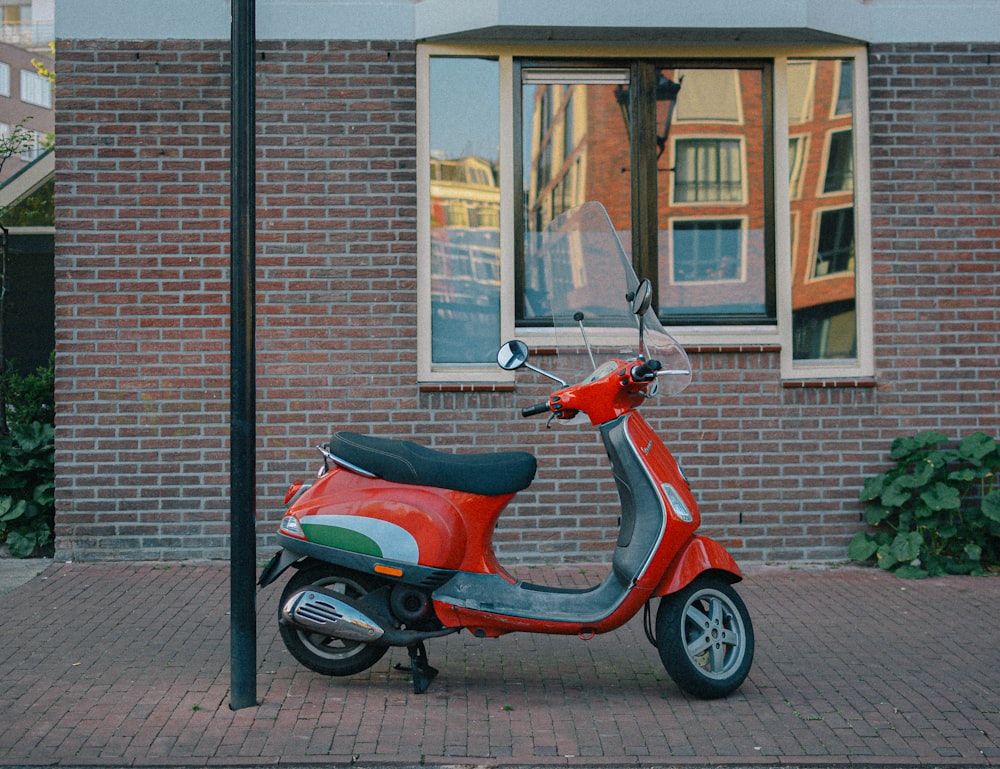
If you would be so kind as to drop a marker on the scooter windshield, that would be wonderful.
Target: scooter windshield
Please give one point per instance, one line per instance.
(577, 272)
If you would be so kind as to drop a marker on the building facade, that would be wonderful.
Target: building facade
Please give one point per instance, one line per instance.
(26, 101)
(812, 187)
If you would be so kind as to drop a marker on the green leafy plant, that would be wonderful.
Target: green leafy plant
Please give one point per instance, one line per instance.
(27, 486)
(937, 510)
(27, 463)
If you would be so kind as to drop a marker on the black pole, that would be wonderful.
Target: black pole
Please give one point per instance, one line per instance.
(243, 407)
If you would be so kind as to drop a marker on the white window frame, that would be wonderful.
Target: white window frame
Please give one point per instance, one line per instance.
(4, 79)
(778, 335)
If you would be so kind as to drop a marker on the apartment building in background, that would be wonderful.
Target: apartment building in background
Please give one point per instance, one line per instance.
(27, 31)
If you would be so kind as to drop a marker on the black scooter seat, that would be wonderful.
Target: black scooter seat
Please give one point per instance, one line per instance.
(491, 473)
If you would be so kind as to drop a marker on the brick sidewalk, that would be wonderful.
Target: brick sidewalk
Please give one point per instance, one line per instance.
(128, 665)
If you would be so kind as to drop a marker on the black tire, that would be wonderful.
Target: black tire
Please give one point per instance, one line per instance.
(329, 656)
(705, 638)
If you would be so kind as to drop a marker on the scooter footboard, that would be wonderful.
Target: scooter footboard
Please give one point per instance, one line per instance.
(699, 554)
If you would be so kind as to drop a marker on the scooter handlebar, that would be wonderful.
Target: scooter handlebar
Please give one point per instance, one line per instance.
(646, 370)
(538, 408)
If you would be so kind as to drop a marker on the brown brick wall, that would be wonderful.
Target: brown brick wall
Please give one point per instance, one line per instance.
(142, 308)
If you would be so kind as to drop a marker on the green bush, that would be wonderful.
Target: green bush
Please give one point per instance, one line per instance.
(27, 489)
(27, 463)
(937, 511)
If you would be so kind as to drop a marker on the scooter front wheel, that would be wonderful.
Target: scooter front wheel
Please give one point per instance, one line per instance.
(705, 637)
(320, 653)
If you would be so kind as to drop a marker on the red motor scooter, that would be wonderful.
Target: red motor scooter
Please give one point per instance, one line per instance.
(392, 543)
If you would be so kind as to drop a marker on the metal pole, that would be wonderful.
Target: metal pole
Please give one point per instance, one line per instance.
(243, 407)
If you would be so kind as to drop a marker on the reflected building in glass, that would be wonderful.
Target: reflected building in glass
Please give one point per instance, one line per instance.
(821, 193)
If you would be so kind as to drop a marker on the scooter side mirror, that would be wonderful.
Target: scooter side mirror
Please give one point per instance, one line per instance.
(642, 298)
(512, 355)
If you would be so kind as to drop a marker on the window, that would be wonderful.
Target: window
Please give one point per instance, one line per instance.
(685, 155)
(840, 163)
(611, 131)
(575, 148)
(465, 211)
(825, 326)
(707, 251)
(36, 89)
(835, 245)
(34, 146)
(708, 170)
(4, 79)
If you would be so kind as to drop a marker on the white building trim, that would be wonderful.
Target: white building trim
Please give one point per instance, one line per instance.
(522, 21)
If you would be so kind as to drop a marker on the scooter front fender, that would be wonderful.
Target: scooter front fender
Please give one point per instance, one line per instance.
(698, 555)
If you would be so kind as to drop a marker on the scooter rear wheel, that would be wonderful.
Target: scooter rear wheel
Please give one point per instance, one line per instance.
(320, 653)
(705, 637)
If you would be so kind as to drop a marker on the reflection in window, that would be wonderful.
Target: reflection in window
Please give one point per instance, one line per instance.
(824, 324)
(708, 170)
(708, 96)
(840, 163)
(712, 199)
(796, 162)
(845, 89)
(707, 251)
(575, 146)
(465, 210)
(835, 248)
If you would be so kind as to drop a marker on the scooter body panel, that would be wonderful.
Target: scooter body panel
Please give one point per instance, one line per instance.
(432, 527)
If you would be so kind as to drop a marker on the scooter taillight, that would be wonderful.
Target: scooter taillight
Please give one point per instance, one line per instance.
(291, 527)
(293, 490)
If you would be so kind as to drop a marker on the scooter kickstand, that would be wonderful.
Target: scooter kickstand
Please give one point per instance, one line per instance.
(423, 673)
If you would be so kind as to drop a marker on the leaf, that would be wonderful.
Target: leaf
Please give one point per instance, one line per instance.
(21, 545)
(872, 488)
(991, 506)
(906, 547)
(903, 448)
(894, 496)
(886, 560)
(910, 572)
(875, 514)
(921, 474)
(862, 547)
(941, 496)
(14, 509)
(947, 532)
(973, 552)
(963, 474)
(976, 446)
(33, 436)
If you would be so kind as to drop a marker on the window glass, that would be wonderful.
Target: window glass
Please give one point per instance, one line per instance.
(712, 195)
(465, 210)
(824, 324)
(575, 148)
(840, 163)
(36, 89)
(4, 79)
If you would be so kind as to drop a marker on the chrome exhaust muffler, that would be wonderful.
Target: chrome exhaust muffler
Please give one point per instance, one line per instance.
(332, 614)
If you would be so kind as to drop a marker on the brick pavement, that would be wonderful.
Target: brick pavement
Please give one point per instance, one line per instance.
(127, 664)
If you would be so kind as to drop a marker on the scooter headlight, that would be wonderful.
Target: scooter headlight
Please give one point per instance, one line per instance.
(677, 503)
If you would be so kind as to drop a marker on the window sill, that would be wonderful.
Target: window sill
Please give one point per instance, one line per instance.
(466, 387)
(805, 384)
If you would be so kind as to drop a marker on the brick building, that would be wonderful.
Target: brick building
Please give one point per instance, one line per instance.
(812, 186)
